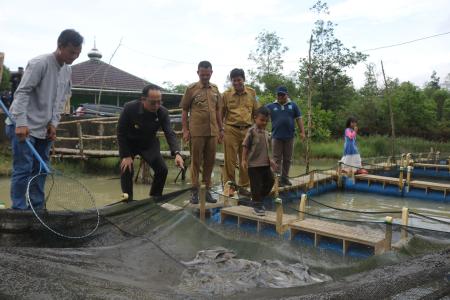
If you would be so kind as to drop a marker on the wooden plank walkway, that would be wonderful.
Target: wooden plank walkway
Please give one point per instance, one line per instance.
(247, 213)
(308, 181)
(358, 235)
(430, 186)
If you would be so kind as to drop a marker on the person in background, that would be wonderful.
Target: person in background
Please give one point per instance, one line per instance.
(36, 111)
(351, 159)
(255, 159)
(284, 114)
(201, 107)
(239, 105)
(138, 124)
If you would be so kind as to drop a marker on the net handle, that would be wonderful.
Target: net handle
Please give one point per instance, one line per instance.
(33, 150)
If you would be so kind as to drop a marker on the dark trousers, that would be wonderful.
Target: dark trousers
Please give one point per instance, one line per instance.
(155, 160)
(261, 183)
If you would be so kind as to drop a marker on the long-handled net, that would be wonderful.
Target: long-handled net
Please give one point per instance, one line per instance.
(69, 208)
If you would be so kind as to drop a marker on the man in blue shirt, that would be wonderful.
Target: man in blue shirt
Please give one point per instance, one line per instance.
(284, 114)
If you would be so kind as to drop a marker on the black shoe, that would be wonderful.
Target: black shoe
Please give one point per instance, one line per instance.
(259, 210)
(209, 197)
(286, 181)
(244, 192)
(194, 196)
(156, 199)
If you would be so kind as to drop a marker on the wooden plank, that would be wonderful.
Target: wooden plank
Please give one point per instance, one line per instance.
(246, 212)
(377, 178)
(339, 231)
(219, 203)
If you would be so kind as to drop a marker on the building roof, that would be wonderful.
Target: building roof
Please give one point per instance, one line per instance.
(96, 74)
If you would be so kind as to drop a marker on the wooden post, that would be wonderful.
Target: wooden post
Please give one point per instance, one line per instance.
(391, 112)
(226, 191)
(2, 58)
(408, 177)
(436, 157)
(276, 185)
(302, 207)
(101, 131)
(408, 159)
(400, 179)
(202, 202)
(279, 220)
(339, 174)
(388, 234)
(402, 159)
(309, 126)
(80, 139)
(311, 179)
(405, 221)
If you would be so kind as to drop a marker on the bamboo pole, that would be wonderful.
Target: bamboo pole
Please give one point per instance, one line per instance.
(391, 112)
(308, 138)
(2, 58)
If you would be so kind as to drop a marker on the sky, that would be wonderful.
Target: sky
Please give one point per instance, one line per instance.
(163, 40)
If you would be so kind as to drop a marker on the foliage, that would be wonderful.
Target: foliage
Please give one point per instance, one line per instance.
(174, 88)
(5, 85)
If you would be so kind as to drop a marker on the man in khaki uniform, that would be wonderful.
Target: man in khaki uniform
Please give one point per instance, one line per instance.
(202, 101)
(239, 105)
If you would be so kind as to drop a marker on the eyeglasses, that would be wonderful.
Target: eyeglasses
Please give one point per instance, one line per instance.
(154, 102)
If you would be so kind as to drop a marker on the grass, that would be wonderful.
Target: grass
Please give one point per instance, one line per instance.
(374, 146)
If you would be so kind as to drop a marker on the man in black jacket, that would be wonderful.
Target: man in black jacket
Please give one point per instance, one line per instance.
(136, 132)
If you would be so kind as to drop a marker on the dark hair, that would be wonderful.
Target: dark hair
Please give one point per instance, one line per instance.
(349, 121)
(70, 36)
(204, 64)
(149, 87)
(237, 73)
(263, 111)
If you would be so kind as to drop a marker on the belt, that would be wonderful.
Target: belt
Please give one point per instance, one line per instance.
(240, 127)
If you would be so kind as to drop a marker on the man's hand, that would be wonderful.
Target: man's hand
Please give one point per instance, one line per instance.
(22, 132)
(179, 162)
(51, 132)
(186, 135)
(273, 166)
(244, 164)
(126, 163)
(302, 136)
(220, 139)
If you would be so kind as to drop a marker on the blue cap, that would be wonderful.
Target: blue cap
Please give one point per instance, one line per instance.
(282, 90)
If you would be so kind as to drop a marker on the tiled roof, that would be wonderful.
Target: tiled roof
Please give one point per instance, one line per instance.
(97, 74)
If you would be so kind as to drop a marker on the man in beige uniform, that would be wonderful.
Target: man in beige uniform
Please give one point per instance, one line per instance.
(202, 101)
(239, 105)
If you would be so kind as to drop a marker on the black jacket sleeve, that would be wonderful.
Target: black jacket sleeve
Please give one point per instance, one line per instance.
(122, 130)
(168, 131)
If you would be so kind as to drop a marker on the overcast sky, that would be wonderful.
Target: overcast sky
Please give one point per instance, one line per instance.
(163, 40)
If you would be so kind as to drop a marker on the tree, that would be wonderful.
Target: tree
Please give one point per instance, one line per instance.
(330, 59)
(268, 60)
(172, 88)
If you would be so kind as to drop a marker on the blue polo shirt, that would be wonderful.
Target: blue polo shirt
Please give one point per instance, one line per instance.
(283, 119)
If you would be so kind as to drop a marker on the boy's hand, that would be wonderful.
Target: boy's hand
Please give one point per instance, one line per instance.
(244, 164)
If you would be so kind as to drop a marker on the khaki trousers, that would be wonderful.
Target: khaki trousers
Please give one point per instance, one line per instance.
(232, 143)
(282, 155)
(203, 154)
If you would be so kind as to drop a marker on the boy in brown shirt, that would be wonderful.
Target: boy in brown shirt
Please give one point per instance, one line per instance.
(255, 158)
